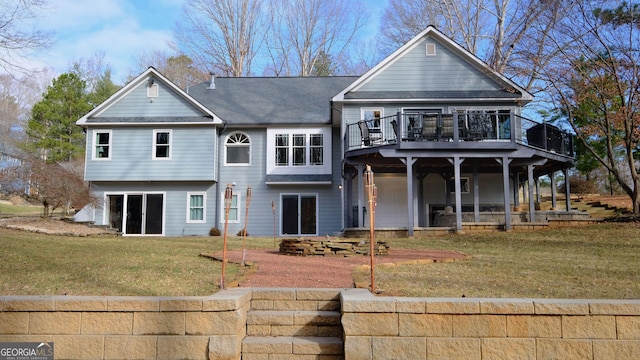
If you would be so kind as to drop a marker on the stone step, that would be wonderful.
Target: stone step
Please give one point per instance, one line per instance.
(296, 299)
(289, 347)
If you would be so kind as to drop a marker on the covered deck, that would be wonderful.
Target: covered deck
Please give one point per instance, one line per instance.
(415, 150)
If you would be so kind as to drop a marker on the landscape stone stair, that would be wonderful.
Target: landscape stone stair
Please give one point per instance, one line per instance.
(597, 209)
(296, 324)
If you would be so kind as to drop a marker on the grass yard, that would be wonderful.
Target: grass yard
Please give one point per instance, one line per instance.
(36, 264)
(6, 208)
(601, 261)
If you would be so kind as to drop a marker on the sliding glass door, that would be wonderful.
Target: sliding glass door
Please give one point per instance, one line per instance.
(299, 214)
(136, 214)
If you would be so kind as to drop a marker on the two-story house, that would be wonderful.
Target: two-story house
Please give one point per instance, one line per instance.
(443, 133)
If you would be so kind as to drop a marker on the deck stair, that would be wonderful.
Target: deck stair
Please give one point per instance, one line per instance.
(295, 324)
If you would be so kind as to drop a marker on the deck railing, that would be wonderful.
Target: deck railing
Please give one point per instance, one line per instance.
(469, 126)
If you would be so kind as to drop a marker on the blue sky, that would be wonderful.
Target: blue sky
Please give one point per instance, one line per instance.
(119, 29)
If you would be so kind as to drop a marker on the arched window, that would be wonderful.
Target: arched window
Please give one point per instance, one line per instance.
(238, 149)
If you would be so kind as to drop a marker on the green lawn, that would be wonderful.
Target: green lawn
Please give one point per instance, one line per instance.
(9, 209)
(601, 261)
(36, 264)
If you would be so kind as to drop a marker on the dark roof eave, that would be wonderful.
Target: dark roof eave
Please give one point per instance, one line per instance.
(150, 120)
(434, 95)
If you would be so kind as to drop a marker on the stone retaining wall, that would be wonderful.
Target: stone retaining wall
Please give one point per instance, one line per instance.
(374, 327)
(209, 327)
(489, 329)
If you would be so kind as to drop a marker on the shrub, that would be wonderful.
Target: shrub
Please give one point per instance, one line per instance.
(242, 233)
(214, 231)
(580, 186)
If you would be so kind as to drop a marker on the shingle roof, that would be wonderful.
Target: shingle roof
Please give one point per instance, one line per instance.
(271, 100)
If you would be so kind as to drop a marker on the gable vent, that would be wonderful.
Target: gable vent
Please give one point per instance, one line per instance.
(152, 88)
(431, 49)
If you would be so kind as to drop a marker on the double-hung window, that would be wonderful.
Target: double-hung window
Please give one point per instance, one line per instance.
(316, 146)
(299, 150)
(196, 207)
(162, 144)
(102, 145)
(234, 209)
(282, 149)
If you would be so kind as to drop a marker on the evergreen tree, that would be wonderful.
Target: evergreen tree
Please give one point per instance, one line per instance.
(52, 131)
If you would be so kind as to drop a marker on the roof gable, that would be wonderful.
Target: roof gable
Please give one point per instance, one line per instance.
(132, 105)
(431, 63)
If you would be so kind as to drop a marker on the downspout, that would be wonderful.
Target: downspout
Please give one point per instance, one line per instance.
(212, 86)
(218, 200)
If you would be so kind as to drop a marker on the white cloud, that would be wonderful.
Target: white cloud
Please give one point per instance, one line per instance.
(118, 29)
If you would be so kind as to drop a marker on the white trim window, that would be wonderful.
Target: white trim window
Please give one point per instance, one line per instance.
(101, 145)
(162, 144)
(372, 116)
(299, 151)
(237, 150)
(234, 210)
(196, 207)
(316, 147)
(282, 150)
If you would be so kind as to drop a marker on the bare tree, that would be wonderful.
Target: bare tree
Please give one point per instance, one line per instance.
(303, 31)
(221, 35)
(90, 69)
(16, 38)
(50, 184)
(594, 78)
(17, 96)
(465, 21)
(178, 68)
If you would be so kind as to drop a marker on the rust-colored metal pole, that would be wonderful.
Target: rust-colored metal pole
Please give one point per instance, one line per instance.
(371, 190)
(246, 220)
(228, 198)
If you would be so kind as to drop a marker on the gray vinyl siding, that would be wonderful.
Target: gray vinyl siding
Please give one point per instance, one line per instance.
(193, 155)
(175, 203)
(415, 71)
(261, 219)
(137, 104)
